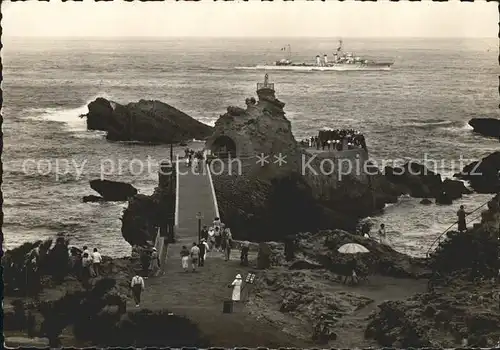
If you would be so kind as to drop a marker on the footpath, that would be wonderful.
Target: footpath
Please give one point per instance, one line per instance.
(199, 295)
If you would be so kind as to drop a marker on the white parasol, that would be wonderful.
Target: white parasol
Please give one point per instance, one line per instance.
(352, 248)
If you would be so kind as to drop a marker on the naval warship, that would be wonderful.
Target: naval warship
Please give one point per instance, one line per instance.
(341, 61)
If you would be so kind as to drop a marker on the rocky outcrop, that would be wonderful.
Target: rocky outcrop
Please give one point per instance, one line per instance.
(483, 175)
(260, 210)
(486, 126)
(111, 190)
(460, 314)
(321, 248)
(308, 299)
(142, 218)
(273, 199)
(478, 247)
(144, 121)
(420, 182)
(460, 307)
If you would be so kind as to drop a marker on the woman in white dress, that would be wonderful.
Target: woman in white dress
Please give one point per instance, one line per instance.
(237, 288)
(211, 237)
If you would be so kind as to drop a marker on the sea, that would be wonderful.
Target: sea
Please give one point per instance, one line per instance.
(417, 110)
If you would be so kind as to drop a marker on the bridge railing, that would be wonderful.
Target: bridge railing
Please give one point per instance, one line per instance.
(265, 86)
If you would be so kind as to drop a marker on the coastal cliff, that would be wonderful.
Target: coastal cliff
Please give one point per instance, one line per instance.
(147, 121)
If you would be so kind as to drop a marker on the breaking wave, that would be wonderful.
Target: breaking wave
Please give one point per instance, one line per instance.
(70, 117)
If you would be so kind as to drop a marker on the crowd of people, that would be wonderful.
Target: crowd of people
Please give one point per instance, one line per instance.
(85, 264)
(217, 238)
(193, 158)
(338, 139)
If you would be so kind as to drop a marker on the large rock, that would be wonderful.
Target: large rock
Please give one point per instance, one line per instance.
(477, 247)
(321, 248)
(308, 298)
(143, 216)
(271, 201)
(144, 121)
(486, 126)
(483, 175)
(113, 190)
(443, 318)
(420, 182)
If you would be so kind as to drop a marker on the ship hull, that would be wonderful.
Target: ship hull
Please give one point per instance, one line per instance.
(338, 67)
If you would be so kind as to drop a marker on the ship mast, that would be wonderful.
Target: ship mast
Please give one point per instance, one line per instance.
(339, 49)
(289, 52)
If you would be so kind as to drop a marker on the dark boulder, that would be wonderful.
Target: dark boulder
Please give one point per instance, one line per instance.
(113, 190)
(486, 126)
(455, 188)
(421, 182)
(144, 121)
(426, 201)
(483, 175)
(92, 198)
(142, 218)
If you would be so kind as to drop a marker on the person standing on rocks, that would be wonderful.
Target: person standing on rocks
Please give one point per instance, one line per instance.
(462, 224)
(382, 235)
(195, 256)
(185, 258)
(86, 268)
(90, 266)
(137, 286)
(96, 262)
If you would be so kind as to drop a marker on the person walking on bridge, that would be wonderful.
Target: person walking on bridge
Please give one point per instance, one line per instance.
(203, 250)
(195, 256)
(185, 258)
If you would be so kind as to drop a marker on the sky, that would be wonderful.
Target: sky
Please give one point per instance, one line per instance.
(254, 18)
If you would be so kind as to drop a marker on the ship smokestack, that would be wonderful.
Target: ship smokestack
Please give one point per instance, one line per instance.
(318, 60)
(325, 58)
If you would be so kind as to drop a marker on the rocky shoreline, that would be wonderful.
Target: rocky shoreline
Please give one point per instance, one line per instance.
(405, 301)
